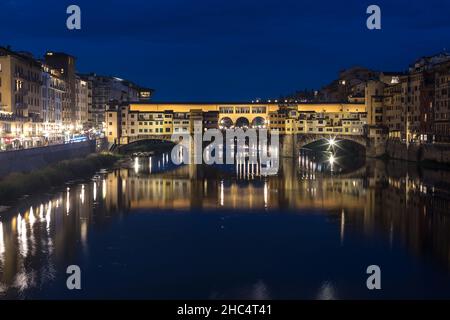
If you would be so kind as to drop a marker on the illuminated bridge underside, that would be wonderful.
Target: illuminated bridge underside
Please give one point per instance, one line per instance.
(302, 139)
(305, 139)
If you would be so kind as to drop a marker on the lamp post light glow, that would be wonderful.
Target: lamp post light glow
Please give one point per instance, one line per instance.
(331, 159)
(332, 142)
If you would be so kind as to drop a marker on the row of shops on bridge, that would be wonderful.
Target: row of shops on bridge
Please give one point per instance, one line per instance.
(132, 122)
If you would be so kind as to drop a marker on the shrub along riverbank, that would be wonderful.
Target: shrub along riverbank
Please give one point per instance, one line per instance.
(18, 184)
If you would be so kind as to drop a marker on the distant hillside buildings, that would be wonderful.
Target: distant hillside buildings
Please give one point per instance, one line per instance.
(349, 86)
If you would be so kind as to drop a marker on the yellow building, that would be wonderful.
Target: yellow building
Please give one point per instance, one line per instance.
(342, 123)
(181, 122)
(374, 102)
(20, 84)
(328, 121)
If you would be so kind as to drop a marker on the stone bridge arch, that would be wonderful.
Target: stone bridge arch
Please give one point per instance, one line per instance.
(258, 122)
(149, 138)
(226, 122)
(303, 140)
(242, 122)
(135, 141)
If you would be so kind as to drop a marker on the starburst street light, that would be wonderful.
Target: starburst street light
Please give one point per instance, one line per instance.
(332, 144)
(332, 141)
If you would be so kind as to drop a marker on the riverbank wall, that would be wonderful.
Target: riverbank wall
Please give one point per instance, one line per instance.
(36, 158)
(436, 152)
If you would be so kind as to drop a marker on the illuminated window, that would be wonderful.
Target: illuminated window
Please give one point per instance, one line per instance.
(145, 94)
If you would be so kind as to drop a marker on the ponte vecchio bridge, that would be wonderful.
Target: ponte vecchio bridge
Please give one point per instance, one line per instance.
(297, 123)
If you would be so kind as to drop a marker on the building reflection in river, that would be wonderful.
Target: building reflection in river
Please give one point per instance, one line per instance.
(406, 206)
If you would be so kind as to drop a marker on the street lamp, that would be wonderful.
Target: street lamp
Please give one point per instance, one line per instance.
(332, 142)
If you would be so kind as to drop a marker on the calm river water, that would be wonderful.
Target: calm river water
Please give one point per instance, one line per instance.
(155, 230)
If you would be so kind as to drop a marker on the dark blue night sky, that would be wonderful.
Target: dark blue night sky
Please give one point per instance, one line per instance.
(228, 49)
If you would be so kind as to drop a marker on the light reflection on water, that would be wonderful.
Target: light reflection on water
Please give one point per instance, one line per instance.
(386, 203)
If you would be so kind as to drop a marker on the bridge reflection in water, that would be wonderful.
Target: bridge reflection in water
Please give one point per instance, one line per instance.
(393, 201)
(155, 183)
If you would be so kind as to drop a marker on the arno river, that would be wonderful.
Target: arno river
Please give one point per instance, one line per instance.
(154, 230)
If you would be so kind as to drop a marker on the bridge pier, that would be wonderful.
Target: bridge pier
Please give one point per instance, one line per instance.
(288, 146)
(375, 150)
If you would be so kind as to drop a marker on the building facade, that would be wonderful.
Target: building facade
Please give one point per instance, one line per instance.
(106, 89)
(411, 106)
(83, 99)
(393, 110)
(442, 104)
(21, 113)
(52, 92)
(20, 84)
(65, 64)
